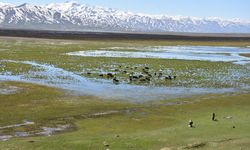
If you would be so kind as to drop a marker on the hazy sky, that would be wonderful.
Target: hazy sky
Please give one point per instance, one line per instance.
(198, 8)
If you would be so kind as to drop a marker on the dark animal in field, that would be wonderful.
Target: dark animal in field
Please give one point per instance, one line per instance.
(140, 76)
(147, 78)
(135, 67)
(144, 71)
(120, 66)
(88, 73)
(169, 78)
(147, 68)
(110, 75)
(143, 80)
(124, 71)
(135, 77)
(160, 75)
(175, 77)
(115, 81)
(155, 73)
(130, 78)
(116, 69)
(101, 75)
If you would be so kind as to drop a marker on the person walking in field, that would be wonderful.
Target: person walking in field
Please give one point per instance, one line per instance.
(190, 124)
(213, 116)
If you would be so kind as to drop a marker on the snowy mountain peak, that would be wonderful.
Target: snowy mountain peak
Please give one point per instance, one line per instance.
(74, 16)
(64, 7)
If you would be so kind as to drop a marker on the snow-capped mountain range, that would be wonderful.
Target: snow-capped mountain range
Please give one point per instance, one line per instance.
(81, 17)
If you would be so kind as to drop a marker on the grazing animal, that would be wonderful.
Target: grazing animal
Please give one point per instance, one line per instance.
(175, 77)
(101, 75)
(166, 78)
(124, 71)
(110, 75)
(115, 81)
(88, 73)
(170, 78)
(146, 72)
(141, 76)
(160, 75)
(147, 68)
(147, 78)
(135, 77)
(130, 78)
(143, 80)
(155, 74)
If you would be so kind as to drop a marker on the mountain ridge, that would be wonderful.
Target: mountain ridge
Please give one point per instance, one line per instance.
(82, 17)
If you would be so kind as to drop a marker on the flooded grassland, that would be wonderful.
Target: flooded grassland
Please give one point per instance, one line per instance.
(122, 94)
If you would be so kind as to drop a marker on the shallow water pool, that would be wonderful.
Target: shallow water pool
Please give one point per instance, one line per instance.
(60, 78)
(202, 53)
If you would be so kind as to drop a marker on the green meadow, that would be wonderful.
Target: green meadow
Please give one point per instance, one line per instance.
(94, 123)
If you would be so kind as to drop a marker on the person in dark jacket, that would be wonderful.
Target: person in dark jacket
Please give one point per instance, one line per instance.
(213, 116)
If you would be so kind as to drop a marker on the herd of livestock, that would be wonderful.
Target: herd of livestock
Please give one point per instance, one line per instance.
(145, 75)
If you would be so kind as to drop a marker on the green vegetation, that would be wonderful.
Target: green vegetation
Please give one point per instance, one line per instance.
(142, 126)
(189, 73)
(137, 126)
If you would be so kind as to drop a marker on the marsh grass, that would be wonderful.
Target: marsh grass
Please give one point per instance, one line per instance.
(189, 73)
(144, 126)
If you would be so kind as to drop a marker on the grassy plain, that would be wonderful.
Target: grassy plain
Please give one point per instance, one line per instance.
(137, 126)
